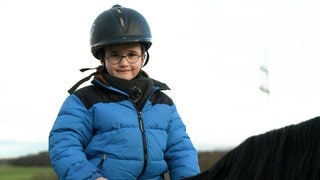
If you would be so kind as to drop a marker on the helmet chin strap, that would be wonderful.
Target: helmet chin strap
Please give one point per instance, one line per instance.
(87, 78)
(147, 59)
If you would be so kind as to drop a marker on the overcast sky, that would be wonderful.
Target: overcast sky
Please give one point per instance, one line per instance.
(209, 52)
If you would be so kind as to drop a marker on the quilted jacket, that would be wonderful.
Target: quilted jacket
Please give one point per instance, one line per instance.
(121, 133)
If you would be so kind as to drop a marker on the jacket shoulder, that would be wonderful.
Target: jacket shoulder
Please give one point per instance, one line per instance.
(160, 97)
(89, 95)
(92, 94)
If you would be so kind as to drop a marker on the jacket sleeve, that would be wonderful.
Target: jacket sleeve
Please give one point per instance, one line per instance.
(69, 135)
(181, 156)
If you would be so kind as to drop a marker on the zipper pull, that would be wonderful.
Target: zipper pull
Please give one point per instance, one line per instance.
(104, 156)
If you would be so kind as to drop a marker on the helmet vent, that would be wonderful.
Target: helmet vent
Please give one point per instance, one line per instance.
(121, 21)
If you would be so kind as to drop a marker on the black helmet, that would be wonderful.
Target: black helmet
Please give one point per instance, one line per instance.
(119, 25)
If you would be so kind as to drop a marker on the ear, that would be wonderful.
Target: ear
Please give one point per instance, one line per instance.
(143, 59)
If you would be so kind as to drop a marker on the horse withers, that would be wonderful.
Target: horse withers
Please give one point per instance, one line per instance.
(288, 153)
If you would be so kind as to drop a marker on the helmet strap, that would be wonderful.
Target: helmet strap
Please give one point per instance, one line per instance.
(74, 87)
(147, 59)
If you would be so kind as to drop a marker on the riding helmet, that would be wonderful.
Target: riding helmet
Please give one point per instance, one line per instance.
(119, 25)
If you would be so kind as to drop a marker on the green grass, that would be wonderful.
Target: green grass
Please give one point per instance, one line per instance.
(26, 173)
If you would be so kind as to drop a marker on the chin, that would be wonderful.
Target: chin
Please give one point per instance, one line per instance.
(125, 77)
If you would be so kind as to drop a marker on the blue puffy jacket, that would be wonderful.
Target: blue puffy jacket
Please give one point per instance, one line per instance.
(101, 132)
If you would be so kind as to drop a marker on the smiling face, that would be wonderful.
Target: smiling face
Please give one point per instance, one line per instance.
(124, 68)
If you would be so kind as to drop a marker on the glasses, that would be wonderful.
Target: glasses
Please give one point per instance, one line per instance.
(116, 58)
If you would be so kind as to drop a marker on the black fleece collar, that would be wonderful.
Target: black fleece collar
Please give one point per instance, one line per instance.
(139, 88)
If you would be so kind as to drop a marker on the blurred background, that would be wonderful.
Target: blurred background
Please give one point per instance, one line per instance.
(236, 68)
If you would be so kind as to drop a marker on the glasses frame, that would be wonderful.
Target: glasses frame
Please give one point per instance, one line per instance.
(120, 57)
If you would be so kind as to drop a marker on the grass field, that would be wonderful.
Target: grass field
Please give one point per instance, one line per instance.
(9, 172)
(26, 173)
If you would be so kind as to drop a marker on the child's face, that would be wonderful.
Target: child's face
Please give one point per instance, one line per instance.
(122, 68)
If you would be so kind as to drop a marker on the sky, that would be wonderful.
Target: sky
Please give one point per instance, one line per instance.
(209, 52)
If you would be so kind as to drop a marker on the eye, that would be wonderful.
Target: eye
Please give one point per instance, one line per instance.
(132, 55)
(114, 56)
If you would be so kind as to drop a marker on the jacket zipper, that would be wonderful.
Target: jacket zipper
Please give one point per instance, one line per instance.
(144, 141)
(143, 135)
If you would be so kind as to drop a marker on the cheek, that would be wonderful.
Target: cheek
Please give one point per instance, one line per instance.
(138, 66)
(108, 68)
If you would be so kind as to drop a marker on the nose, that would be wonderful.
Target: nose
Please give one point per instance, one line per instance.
(123, 62)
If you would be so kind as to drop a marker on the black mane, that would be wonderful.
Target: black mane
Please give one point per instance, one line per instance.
(288, 153)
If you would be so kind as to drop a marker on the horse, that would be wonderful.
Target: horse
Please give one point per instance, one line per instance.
(288, 153)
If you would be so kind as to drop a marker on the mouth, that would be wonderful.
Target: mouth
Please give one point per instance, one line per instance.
(124, 70)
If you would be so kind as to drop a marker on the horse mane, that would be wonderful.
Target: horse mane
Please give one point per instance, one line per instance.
(291, 152)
